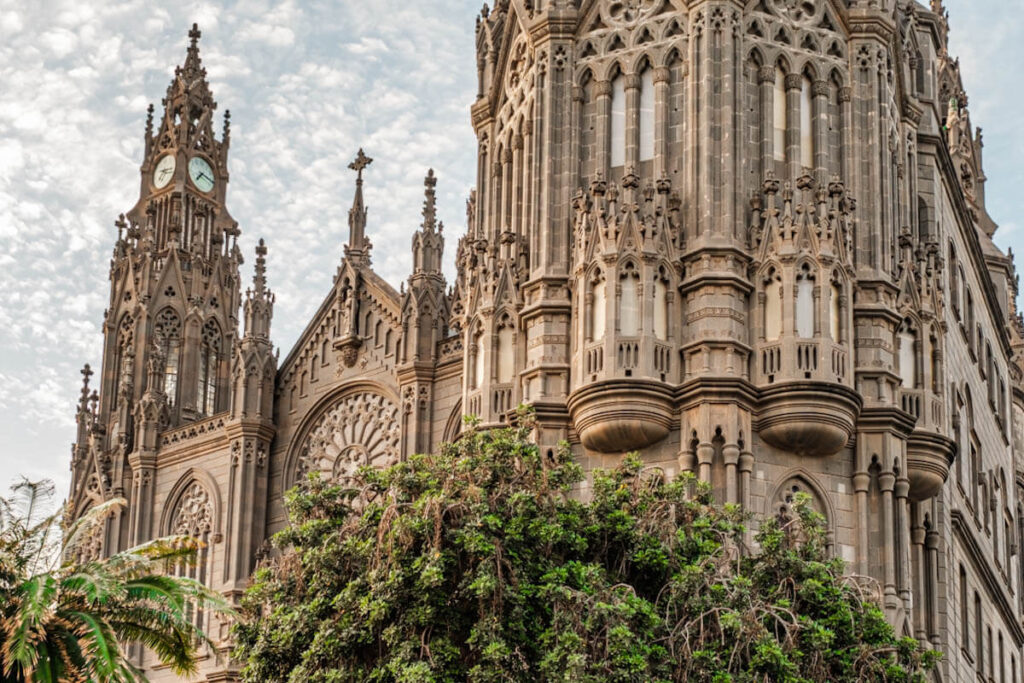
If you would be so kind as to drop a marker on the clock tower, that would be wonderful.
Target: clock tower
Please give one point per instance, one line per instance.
(172, 320)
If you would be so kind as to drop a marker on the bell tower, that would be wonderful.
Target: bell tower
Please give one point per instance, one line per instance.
(174, 295)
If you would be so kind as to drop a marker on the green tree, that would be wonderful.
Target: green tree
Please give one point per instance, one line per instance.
(484, 563)
(66, 621)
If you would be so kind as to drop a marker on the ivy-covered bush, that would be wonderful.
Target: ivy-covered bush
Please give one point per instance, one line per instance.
(491, 562)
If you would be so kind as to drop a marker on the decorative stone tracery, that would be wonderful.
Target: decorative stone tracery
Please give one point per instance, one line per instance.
(194, 516)
(360, 429)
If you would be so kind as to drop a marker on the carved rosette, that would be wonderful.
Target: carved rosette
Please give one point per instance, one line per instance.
(360, 429)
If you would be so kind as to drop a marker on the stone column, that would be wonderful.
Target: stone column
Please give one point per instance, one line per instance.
(917, 539)
(887, 484)
(662, 78)
(794, 83)
(603, 92)
(861, 481)
(731, 457)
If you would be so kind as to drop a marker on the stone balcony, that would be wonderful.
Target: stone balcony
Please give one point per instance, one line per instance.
(807, 405)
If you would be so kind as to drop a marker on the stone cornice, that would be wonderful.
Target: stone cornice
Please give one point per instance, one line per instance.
(983, 566)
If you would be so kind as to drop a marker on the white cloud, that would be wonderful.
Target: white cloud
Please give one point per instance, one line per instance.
(307, 83)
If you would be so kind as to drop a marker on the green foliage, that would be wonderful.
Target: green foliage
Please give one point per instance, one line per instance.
(489, 562)
(67, 621)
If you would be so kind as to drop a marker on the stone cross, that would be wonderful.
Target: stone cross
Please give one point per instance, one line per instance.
(361, 162)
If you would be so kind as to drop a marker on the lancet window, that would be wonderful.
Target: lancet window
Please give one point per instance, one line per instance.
(629, 301)
(506, 350)
(780, 117)
(907, 343)
(598, 306)
(209, 360)
(805, 303)
(647, 115)
(618, 122)
(193, 516)
(772, 306)
(661, 312)
(167, 331)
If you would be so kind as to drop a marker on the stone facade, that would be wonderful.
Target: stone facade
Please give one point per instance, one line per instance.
(745, 238)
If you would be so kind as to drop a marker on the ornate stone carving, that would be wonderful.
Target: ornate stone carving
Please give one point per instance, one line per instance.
(194, 516)
(800, 12)
(360, 429)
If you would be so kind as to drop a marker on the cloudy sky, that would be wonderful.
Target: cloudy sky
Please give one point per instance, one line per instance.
(307, 83)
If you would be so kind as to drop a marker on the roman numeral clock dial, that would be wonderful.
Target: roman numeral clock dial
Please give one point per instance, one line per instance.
(201, 173)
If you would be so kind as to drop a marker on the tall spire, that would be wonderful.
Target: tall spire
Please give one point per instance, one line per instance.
(428, 242)
(194, 65)
(259, 301)
(358, 248)
(430, 202)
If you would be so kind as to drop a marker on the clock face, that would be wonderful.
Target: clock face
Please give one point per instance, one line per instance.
(201, 174)
(164, 171)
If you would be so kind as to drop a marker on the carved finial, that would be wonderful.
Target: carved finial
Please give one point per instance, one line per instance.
(430, 202)
(227, 125)
(361, 162)
(86, 374)
(149, 120)
(194, 35)
(259, 279)
(358, 248)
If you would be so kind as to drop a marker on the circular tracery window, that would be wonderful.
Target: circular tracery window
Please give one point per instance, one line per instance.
(360, 429)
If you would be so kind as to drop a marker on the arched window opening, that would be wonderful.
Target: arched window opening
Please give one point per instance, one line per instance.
(964, 611)
(979, 636)
(629, 308)
(907, 341)
(834, 313)
(772, 307)
(478, 359)
(780, 114)
(935, 363)
(618, 122)
(805, 303)
(167, 330)
(661, 305)
(506, 350)
(806, 131)
(647, 115)
(209, 360)
(193, 517)
(598, 307)
(954, 282)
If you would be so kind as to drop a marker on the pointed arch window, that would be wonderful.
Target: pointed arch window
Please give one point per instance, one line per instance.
(647, 114)
(772, 306)
(209, 360)
(805, 303)
(806, 128)
(661, 315)
(506, 350)
(907, 342)
(477, 359)
(629, 301)
(780, 118)
(617, 125)
(835, 312)
(167, 331)
(193, 516)
(598, 306)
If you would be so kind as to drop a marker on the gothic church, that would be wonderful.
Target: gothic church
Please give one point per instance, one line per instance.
(746, 238)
